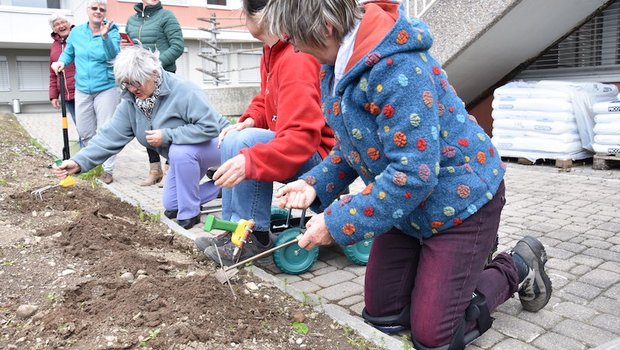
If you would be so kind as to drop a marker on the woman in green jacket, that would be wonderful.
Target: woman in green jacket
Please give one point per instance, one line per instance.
(156, 29)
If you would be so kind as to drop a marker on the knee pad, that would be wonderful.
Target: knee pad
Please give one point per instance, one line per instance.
(478, 311)
(391, 323)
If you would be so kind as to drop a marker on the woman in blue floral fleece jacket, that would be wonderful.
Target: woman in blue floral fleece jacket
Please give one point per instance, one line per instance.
(434, 181)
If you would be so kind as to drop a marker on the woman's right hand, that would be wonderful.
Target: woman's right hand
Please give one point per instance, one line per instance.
(66, 168)
(55, 103)
(296, 195)
(58, 66)
(248, 123)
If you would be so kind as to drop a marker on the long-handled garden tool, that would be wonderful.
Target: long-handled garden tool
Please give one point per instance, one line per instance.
(66, 154)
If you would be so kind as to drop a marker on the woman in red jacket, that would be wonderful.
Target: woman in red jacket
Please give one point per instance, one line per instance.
(60, 31)
(281, 135)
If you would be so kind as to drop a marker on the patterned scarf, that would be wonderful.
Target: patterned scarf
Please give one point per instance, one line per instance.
(148, 103)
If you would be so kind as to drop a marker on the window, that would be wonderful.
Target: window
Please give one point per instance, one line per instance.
(182, 64)
(52, 4)
(249, 67)
(594, 45)
(216, 2)
(33, 73)
(4, 74)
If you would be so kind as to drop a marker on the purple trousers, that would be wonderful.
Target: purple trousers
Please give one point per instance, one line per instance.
(437, 277)
(188, 165)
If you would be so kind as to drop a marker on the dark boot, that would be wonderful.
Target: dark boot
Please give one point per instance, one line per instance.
(535, 285)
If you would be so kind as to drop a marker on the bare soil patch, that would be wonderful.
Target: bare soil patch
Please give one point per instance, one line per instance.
(82, 270)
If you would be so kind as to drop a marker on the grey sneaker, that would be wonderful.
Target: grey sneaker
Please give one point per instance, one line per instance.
(204, 242)
(227, 250)
(535, 289)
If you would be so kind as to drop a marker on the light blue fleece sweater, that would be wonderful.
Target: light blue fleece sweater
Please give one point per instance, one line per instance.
(182, 112)
(93, 58)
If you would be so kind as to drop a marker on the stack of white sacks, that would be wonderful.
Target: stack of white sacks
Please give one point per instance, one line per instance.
(607, 127)
(547, 119)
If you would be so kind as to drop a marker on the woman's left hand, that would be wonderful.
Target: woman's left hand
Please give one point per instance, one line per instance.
(105, 28)
(316, 233)
(155, 138)
(231, 173)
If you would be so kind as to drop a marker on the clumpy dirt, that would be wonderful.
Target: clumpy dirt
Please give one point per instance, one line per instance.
(80, 269)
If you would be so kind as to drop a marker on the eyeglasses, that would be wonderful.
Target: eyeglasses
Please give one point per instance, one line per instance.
(101, 9)
(127, 84)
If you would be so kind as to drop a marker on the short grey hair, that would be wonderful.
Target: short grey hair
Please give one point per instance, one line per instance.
(56, 16)
(306, 21)
(98, 2)
(135, 63)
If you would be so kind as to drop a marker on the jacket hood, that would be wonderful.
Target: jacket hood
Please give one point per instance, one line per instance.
(385, 30)
(148, 11)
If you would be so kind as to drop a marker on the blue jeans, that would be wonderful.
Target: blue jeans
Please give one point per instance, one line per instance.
(251, 199)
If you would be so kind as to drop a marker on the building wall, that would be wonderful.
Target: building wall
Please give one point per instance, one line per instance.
(37, 95)
(25, 32)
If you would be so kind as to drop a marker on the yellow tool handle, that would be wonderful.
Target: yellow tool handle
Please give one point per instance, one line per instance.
(68, 180)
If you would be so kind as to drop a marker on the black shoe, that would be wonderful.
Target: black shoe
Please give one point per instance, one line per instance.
(535, 289)
(171, 214)
(189, 223)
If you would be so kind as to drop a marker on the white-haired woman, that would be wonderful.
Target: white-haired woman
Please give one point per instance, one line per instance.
(435, 187)
(169, 115)
(92, 46)
(61, 27)
(156, 28)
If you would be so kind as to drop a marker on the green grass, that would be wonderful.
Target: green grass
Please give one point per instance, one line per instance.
(3, 182)
(146, 217)
(152, 335)
(37, 145)
(91, 175)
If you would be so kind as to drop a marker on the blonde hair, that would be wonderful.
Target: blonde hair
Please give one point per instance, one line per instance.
(306, 21)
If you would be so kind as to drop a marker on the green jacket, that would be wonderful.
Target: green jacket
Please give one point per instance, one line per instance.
(159, 29)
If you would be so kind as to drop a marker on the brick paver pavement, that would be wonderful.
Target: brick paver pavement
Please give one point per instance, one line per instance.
(576, 214)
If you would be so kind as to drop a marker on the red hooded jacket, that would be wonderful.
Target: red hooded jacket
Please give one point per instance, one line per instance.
(289, 105)
(55, 50)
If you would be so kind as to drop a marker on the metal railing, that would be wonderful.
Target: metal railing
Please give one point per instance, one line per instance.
(421, 6)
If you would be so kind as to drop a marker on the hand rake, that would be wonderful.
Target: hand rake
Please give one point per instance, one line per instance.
(224, 274)
(66, 182)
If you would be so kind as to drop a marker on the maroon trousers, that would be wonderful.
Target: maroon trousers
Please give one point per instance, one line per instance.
(437, 277)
